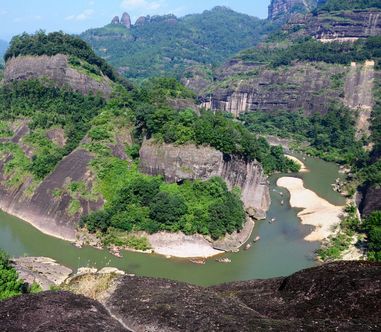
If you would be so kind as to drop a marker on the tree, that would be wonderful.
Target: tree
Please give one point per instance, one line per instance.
(10, 284)
(167, 210)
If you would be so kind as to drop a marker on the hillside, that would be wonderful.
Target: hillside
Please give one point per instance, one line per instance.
(315, 84)
(166, 45)
(73, 155)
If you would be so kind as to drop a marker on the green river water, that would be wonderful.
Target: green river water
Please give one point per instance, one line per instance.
(281, 250)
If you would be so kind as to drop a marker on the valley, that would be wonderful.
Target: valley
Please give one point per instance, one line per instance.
(212, 171)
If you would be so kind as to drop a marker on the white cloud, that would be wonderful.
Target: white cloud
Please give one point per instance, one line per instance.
(3, 12)
(141, 4)
(85, 15)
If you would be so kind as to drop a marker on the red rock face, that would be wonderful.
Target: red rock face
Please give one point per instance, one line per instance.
(126, 20)
(57, 69)
(115, 20)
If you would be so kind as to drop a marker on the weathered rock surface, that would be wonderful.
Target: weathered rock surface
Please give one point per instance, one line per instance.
(42, 209)
(43, 270)
(115, 20)
(341, 296)
(371, 200)
(283, 8)
(126, 20)
(57, 69)
(358, 91)
(188, 162)
(56, 311)
(339, 26)
(306, 86)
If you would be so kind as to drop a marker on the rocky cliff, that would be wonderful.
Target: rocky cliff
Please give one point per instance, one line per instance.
(178, 163)
(338, 26)
(307, 86)
(341, 296)
(279, 9)
(57, 69)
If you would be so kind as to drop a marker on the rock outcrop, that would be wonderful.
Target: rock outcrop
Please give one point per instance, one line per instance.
(188, 162)
(57, 69)
(358, 91)
(279, 9)
(56, 311)
(126, 20)
(343, 296)
(371, 200)
(43, 210)
(306, 86)
(41, 270)
(142, 20)
(338, 26)
(115, 20)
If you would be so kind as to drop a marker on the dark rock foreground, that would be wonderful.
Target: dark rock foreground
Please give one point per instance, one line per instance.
(342, 296)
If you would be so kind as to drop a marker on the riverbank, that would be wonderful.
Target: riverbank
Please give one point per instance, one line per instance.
(316, 212)
(303, 167)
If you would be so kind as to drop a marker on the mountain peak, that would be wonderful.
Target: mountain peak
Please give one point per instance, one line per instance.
(126, 20)
(283, 8)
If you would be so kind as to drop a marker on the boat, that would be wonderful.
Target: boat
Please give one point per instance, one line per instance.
(257, 238)
(224, 260)
(248, 246)
(199, 261)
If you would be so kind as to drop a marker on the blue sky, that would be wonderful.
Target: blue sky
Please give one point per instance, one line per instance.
(74, 16)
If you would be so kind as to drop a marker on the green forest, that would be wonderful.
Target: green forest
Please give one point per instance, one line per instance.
(166, 45)
(331, 136)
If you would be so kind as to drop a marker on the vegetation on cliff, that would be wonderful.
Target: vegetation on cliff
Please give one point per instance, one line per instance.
(54, 43)
(46, 106)
(331, 135)
(335, 5)
(311, 50)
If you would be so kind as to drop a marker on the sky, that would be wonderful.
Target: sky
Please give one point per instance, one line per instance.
(75, 16)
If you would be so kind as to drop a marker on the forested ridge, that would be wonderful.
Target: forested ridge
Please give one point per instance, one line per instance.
(166, 45)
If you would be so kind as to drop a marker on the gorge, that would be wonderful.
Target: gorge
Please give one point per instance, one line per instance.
(212, 172)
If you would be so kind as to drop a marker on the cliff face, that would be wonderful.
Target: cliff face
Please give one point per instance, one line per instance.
(343, 296)
(358, 96)
(177, 163)
(283, 8)
(338, 26)
(57, 69)
(36, 202)
(42, 209)
(304, 86)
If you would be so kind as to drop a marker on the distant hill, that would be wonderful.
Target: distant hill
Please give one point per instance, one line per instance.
(3, 48)
(166, 45)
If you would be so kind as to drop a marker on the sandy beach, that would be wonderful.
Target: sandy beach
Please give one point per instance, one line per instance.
(181, 245)
(316, 210)
(303, 167)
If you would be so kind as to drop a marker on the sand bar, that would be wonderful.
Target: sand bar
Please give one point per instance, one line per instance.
(181, 245)
(316, 211)
(303, 167)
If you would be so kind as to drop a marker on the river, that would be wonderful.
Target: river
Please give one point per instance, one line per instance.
(280, 251)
